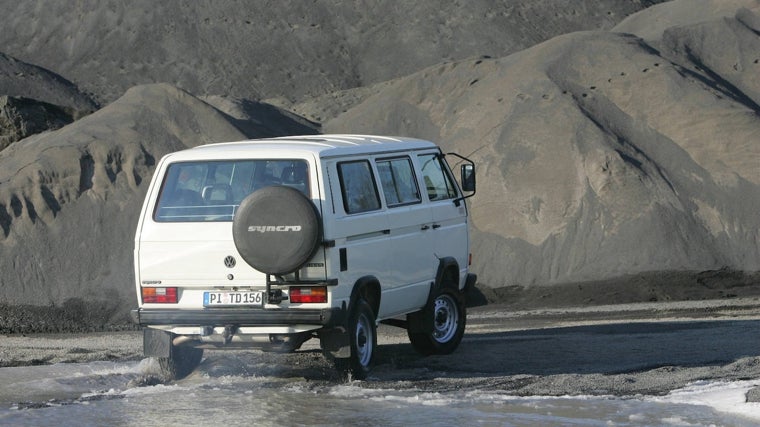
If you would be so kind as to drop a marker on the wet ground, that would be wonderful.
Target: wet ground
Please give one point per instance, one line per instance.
(687, 339)
(637, 364)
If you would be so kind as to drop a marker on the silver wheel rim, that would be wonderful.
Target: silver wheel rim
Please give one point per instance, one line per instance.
(445, 319)
(364, 340)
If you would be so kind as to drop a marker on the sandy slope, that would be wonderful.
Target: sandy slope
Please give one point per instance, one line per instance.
(598, 155)
(69, 199)
(290, 49)
(603, 157)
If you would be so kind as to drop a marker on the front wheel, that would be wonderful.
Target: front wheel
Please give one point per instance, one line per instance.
(443, 320)
(363, 341)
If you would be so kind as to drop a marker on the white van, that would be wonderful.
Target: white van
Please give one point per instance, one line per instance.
(272, 242)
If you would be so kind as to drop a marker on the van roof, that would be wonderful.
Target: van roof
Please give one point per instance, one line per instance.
(320, 145)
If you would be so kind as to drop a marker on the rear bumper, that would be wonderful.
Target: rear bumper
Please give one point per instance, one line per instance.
(240, 317)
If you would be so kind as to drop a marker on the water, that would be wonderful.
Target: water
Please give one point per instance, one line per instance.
(223, 392)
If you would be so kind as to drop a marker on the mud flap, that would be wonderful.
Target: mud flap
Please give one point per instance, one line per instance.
(335, 343)
(157, 343)
(469, 283)
(416, 321)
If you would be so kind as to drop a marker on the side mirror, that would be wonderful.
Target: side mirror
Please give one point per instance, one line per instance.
(468, 177)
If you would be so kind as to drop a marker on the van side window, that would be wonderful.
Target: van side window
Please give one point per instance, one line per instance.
(357, 184)
(398, 181)
(437, 180)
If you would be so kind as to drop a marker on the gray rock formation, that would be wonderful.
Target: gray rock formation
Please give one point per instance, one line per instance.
(22, 117)
(602, 155)
(20, 79)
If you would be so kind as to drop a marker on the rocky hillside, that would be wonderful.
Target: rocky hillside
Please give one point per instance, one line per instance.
(625, 150)
(69, 199)
(22, 117)
(286, 49)
(20, 79)
(600, 154)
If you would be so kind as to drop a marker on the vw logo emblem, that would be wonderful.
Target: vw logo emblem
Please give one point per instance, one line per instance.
(229, 261)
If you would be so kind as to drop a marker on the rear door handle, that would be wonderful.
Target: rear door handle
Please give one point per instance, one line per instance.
(425, 227)
(436, 226)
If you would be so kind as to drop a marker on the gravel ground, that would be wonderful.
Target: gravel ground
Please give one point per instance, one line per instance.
(43, 349)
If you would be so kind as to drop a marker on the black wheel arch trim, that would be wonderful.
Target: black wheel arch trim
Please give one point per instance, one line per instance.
(362, 285)
(445, 266)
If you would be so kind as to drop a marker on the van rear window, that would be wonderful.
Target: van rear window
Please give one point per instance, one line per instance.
(212, 190)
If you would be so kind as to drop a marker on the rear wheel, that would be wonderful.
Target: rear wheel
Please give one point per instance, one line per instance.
(443, 321)
(363, 341)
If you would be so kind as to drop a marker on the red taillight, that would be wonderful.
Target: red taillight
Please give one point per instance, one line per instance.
(315, 294)
(159, 295)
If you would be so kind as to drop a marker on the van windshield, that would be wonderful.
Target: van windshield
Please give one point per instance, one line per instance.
(212, 190)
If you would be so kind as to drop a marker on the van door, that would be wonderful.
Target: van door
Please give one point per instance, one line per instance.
(449, 221)
(411, 242)
(359, 225)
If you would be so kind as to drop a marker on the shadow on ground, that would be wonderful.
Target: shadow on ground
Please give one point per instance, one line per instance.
(606, 349)
(594, 349)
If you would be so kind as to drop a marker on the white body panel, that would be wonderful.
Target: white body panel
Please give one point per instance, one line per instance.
(398, 246)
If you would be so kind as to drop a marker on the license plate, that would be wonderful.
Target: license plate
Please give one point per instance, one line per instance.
(214, 299)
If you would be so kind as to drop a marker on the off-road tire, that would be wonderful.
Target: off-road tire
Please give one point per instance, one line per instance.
(443, 319)
(362, 331)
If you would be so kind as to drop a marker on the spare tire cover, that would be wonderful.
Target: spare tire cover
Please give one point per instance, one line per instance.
(276, 229)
